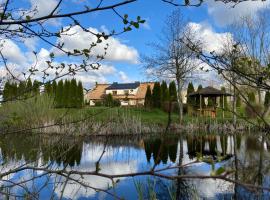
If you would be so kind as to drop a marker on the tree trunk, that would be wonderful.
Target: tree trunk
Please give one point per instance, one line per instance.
(180, 100)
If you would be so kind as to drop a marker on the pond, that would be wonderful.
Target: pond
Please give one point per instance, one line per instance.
(246, 157)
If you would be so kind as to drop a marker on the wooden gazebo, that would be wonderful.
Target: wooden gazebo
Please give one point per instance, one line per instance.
(209, 92)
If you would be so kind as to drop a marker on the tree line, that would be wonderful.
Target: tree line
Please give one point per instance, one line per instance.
(18, 91)
(66, 93)
(160, 95)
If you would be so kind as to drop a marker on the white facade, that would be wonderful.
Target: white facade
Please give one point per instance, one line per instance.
(123, 91)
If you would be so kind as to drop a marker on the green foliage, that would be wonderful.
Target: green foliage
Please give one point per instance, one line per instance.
(238, 101)
(267, 99)
(48, 88)
(251, 97)
(211, 101)
(30, 113)
(173, 91)
(190, 89)
(198, 98)
(67, 94)
(59, 94)
(10, 91)
(164, 92)
(148, 98)
(156, 95)
(80, 96)
(36, 88)
(110, 102)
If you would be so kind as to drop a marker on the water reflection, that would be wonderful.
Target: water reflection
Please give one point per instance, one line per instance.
(247, 155)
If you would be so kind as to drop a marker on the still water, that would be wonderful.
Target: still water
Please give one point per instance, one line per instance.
(245, 155)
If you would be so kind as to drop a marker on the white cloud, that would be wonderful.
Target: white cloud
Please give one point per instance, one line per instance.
(12, 52)
(123, 77)
(76, 38)
(212, 41)
(225, 14)
(43, 8)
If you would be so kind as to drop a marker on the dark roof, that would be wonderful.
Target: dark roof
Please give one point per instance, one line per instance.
(123, 86)
(209, 91)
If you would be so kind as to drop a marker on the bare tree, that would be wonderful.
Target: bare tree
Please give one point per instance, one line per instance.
(172, 59)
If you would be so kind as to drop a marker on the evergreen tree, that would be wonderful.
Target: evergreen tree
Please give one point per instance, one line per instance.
(198, 98)
(223, 89)
(54, 86)
(21, 89)
(164, 89)
(66, 94)
(48, 88)
(173, 91)
(36, 87)
(156, 95)
(6, 91)
(267, 99)
(80, 96)
(14, 90)
(148, 98)
(59, 94)
(29, 88)
(251, 97)
(190, 89)
(73, 93)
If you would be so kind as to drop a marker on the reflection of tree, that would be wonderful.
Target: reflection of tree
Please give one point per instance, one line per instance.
(196, 144)
(32, 147)
(224, 143)
(161, 150)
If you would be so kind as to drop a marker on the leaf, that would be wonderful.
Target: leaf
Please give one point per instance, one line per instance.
(125, 16)
(28, 17)
(127, 29)
(136, 25)
(220, 171)
(125, 21)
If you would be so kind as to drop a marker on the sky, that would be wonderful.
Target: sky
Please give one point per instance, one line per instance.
(123, 61)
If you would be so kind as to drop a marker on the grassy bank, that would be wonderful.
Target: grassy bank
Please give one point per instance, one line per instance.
(40, 112)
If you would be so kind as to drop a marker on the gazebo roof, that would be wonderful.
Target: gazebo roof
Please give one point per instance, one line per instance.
(209, 92)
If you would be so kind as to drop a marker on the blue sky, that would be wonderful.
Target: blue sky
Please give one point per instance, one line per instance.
(123, 61)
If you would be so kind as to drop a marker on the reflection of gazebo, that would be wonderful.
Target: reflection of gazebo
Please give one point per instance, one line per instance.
(209, 92)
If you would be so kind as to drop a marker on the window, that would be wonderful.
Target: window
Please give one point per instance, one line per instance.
(131, 90)
(114, 92)
(126, 92)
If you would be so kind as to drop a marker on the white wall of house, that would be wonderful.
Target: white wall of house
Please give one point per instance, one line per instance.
(123, 92)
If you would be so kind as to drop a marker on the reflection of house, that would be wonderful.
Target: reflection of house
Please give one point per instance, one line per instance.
(132, 94)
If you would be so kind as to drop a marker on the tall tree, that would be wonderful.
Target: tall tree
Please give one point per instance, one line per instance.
(156, 95)
(164, 92)
(73, 93)
(80, 95)
(67, 94)
(190, 89)
(48, 89)
(172, 91)
(148, 97)
(171, 57)
(36, 87)
(59, 94)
